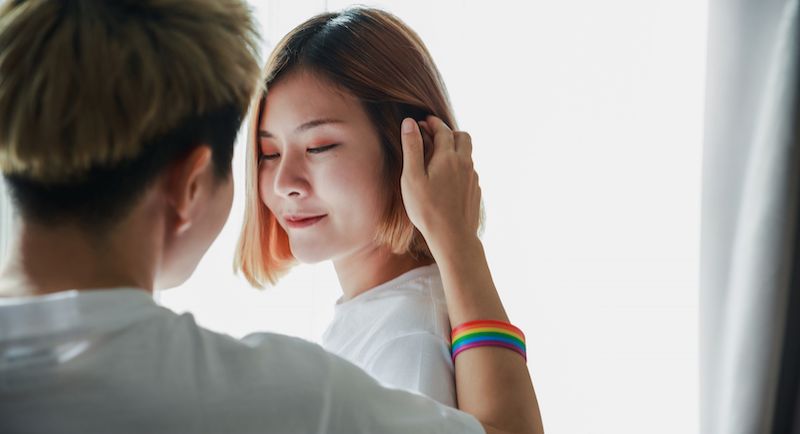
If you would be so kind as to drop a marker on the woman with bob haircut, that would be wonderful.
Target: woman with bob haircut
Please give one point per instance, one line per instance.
(323, 183)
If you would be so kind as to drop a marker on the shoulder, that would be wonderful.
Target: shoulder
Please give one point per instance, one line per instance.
(416, 306)
(266, 380)
(260, 358)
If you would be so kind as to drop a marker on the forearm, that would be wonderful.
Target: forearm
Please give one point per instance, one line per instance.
(492, 383)
(468, 285)
(442, 199)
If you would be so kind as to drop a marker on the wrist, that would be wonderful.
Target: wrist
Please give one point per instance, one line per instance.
(446, 243)
(468, 285)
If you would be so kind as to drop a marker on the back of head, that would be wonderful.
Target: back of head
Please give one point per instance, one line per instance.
(97, 97)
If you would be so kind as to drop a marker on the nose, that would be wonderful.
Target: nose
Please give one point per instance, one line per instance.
(291, 180)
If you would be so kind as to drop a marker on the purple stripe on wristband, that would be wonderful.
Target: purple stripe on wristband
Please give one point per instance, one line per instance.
(489, 344)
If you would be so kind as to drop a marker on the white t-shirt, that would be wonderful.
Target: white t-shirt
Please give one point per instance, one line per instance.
(399, 333)
(114, 361)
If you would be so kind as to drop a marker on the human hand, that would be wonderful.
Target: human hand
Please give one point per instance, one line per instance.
(443, 200)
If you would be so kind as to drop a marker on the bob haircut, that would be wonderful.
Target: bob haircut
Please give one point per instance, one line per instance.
(382, 62)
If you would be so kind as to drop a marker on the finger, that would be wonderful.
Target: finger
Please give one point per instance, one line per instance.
(442, 134)
(463, 143)
(425, 127)
(427, 143)
(427, 138)
(413, 157)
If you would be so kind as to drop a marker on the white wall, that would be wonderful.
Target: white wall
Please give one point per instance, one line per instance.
(586, 118)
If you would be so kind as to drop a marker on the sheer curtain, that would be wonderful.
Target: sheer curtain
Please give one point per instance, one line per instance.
(749, 259)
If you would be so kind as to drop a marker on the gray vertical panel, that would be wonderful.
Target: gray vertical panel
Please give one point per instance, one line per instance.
(742, 278)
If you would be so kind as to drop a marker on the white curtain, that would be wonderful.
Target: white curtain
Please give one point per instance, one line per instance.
(749, 257)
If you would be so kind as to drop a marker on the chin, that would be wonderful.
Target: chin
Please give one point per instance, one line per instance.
(308, 254)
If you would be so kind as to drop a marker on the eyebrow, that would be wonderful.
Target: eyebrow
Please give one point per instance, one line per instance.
(304, 127)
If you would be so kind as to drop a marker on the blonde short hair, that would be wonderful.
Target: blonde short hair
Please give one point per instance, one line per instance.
(88, 83)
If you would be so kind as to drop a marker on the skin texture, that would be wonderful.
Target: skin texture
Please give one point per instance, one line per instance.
(321, 155)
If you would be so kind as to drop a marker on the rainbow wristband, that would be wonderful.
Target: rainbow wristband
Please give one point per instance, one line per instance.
(489, 333)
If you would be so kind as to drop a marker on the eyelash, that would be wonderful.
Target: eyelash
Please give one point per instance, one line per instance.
(317, 150)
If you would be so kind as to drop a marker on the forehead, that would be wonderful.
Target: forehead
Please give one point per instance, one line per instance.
(303, 96)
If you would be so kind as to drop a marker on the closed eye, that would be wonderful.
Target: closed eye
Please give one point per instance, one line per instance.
(317, 150)
(321, 149)
(263, 157)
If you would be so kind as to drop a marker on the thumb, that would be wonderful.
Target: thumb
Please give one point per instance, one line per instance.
(413, 149)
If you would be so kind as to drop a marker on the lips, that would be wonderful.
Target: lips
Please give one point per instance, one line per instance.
(302, 221)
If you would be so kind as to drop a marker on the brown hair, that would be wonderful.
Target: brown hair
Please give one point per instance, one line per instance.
(377, 58)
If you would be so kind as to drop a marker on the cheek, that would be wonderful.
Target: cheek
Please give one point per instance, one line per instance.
(355, 189)
(223, 200)
(229, 198)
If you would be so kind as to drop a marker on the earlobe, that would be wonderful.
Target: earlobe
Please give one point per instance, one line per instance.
(183, 226)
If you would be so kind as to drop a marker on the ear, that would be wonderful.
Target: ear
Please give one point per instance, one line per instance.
(186, 179)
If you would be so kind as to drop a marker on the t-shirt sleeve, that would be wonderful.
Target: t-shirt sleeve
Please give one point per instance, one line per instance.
(357, 403)
(418, 362)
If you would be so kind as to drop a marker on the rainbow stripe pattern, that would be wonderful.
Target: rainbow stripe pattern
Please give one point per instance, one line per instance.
(484, 333)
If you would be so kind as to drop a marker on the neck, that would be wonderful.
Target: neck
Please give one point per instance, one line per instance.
(46, 260)
(371, 267)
